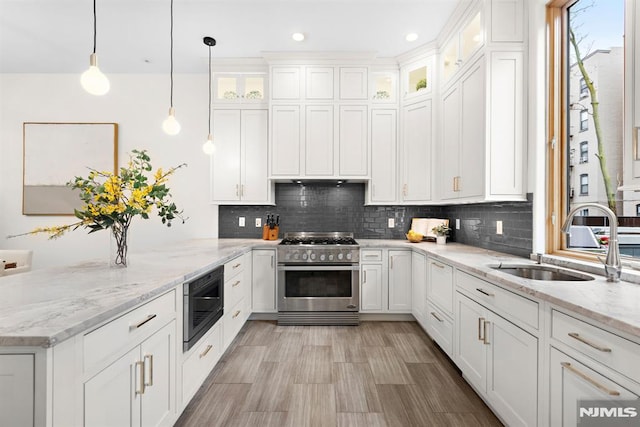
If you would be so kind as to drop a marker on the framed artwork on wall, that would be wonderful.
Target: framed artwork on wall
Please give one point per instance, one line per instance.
(55, 153)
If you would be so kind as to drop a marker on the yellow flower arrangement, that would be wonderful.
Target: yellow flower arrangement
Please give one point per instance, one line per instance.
(112, 201)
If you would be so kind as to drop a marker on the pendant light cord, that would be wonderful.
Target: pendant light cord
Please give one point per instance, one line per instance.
(171, 52)
(209, 89)
(95, 32)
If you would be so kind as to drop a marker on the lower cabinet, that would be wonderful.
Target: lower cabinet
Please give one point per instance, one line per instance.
(419, 288)
(201, 360)
(500, 360)
(17, 400)
(400, 281)
(371, 287)
(572, 381)
(138, 389)
(263, 283)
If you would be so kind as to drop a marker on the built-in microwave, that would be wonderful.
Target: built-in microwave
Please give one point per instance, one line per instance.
(203, 305)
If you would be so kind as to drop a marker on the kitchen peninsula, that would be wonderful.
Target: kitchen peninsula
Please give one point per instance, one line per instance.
(60, 319)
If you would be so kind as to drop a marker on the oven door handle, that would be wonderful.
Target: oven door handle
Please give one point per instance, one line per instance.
(318, 267)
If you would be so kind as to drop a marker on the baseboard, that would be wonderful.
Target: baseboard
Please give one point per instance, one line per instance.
(375, 317)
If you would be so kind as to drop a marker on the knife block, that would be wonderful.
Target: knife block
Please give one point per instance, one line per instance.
(270, 233)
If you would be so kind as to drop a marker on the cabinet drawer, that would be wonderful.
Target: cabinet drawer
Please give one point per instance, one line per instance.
(233, 321)
(509, 303)
(605, 347)
(128, 330)
(440, 328)
(199, 364)
(440, 285)
(234, 290)
(234, 267)
(370, 255)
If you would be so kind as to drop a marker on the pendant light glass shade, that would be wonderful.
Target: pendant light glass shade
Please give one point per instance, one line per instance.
(93, 80)
(170, 125)
(208, 147)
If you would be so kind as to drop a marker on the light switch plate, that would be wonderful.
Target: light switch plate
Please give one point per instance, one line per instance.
(258, 222)
(241, 221)
(498, 227)
(391, 223)
(457, 223)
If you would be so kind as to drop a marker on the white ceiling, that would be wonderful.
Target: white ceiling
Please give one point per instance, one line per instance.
(55, 36)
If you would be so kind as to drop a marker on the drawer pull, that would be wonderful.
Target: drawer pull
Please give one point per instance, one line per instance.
(237, 265)
(590, 380)
(140, 385)
(206, 350)
(235, 284)
(484, 339)
(138, 325)
(435, 264)
(577, 336)
(371, 256)
(436, 316)
(236, 314)
(364, 279)
(149, 357)
(482, 291)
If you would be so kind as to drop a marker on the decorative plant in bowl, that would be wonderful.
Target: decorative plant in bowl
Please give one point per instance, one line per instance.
(442, 231)
(422, 84)
(112, 201)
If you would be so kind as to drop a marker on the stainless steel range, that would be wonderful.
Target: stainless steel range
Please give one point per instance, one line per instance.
(318, 279)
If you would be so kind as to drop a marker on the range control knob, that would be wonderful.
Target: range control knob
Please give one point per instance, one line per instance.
(304, 256)
(340, 256)
(322, 257)
(313, 256)
(349, 255)
(296, 256)
(330, 257)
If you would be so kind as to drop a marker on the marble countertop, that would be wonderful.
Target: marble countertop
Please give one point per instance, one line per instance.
(44, 307)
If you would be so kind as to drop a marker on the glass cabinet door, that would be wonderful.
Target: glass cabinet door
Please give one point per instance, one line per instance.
(383, 87)
(226, 88)
(254, 88)
(450, 61)
(240, 87)
(417, 79)
(471, 37)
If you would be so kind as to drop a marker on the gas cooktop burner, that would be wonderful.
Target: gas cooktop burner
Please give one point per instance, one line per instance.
(318, 239)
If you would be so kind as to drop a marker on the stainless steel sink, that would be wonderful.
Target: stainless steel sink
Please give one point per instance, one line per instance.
(542, 272)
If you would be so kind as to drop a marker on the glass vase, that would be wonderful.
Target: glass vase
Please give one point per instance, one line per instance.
(118, 254)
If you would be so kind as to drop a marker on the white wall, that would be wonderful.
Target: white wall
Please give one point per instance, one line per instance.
(138, 103)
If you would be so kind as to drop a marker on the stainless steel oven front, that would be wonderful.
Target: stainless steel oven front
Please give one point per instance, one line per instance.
(318, 294)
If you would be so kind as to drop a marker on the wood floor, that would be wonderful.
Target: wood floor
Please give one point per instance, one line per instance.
(373, 375)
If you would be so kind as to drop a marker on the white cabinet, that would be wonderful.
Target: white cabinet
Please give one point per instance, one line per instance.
(285, 83)
(138, 389)
(440, 287)
(17, 389)
(419, 288)
(632, 102)
(499, 358)
(507, 21)
(461, 46)
(263, 299)
(371, 297)
(319, 140)
(383, 87)
(239, 166)
(400, 281)
(417, 78)
(461, 150)
(353, 140)
(200, 360)
(240, 88)
(285, 140)
(319, 83)
(237, 282)
(417, 141)
(383, 184)
(353, 83)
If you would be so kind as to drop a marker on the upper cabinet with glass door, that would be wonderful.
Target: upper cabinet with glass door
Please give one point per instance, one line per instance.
(417, 78)
(461, 47)
(383, 87)
(240, 88)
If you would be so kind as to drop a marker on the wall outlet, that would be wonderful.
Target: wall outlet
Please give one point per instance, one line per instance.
(457, 223)
(498, 227)
(241, 221)
(391, 223)
(258, 222)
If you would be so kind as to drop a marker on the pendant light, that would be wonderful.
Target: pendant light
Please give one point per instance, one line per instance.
(208, 146)
(92, 80)
(170, 125)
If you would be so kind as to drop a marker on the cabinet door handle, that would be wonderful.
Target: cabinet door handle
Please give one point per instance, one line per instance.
(242, 190)
(271, 261)
(480, 320)
(436, 316)
(235, 284)
(148, 357)
(236, 314)
(391, 261)
(485, 340)
(364, 279)
(140, 382)
(237, 190)
(237, 265)
(206, 350)
(590, 380)
(482, 291)
(435, 264)
(577, 336)
(140, 324)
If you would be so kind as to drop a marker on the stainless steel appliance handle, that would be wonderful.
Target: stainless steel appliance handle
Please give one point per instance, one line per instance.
(313, 267)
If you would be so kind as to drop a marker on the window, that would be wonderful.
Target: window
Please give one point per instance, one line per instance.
(637, 210)
(584, 120)
(584, 212)
(584, 184)
(584, 90)
(596, 54)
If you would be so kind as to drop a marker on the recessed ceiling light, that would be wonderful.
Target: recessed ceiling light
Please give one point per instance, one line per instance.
(411, 37)
(297, 37)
